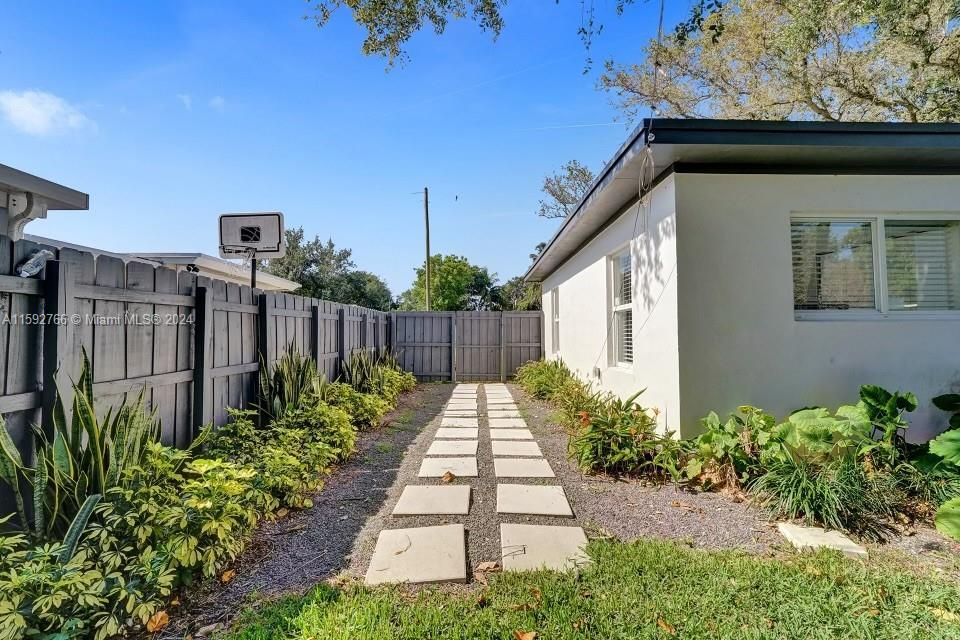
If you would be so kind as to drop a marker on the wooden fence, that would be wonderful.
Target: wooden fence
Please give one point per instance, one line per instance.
(466, 345)
(193, 345)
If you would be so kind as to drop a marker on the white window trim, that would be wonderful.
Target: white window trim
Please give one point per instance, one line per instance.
(555, 320)
(882, 311)
(612, 271)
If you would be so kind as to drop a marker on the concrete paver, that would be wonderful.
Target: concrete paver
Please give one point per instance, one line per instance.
(423, 554)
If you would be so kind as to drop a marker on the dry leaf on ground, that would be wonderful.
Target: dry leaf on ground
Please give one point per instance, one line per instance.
(666, 626)
(525, 635)
(448, 477)
(158, 621)
(227, 575)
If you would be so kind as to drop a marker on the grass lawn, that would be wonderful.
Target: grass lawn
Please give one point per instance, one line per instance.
(645, 589)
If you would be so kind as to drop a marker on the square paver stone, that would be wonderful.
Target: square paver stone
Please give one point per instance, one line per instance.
(423, 554)
(532, 499)
(511, 434)
(453, 448)
(462, 406)
(509, 448)
(460, 413)
(457, 432)
(493, 413)
(522, 468)
(460, 422)
(500, 401)
(507, 423)
(499, 395)
(437, 467)
(806, 538)
(430, 500)
(526, 547)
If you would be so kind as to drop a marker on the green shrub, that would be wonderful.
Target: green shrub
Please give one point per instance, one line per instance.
(289, 382)
(543, 378)
(575, 400)
(950, 403)
(365, 409)
(376, 374)
(621, 437)
(839, 493)
(84, 457)
(323, 424)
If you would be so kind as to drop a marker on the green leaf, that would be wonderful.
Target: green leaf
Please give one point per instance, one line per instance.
(72, 538)
(61, 455)
(948, 402)
(947, 446)
(948, 518)
(40, 480)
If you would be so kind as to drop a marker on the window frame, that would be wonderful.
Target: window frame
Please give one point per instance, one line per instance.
(555, 320)
(613, 270)
(882, 311)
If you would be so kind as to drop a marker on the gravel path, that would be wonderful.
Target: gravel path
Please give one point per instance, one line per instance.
(482, 523)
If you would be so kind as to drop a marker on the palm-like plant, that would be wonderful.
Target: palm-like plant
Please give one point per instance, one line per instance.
(286, 385)
(79, 460)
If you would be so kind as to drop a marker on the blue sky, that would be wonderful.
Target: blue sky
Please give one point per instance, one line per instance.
(170, 113)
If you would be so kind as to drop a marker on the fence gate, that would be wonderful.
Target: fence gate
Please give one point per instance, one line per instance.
(466, 345)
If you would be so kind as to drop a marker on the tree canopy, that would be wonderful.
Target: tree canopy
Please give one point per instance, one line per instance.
(326, 272)
(455, 285)
(860, 60)
(564, 189)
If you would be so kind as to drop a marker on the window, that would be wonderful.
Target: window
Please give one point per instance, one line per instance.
(923, 265)
(893, 263)
(621, 267)
(555, 315)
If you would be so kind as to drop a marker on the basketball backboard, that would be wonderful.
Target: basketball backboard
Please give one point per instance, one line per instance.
(247, 235)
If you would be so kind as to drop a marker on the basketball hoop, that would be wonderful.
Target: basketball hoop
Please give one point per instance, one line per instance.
(249, 236)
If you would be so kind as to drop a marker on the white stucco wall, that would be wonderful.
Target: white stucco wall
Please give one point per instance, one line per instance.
(739, 340)
(584, 295)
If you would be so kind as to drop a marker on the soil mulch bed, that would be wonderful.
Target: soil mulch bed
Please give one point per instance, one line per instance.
(630, 508)
(292, 554)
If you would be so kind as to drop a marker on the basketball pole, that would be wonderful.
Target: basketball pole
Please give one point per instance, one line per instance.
(426, 220)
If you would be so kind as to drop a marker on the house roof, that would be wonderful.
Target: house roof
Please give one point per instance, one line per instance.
(218, 267)
(56, 195)
(748, 146)
(209, 265)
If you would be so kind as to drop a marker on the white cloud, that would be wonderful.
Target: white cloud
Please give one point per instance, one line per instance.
(40, 113)
(217, 103)
(186, 100)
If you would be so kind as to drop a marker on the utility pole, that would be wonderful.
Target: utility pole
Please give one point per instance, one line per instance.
(426, 220)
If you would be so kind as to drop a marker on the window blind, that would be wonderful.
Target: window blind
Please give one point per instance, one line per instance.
(832, 264)
(923, 265)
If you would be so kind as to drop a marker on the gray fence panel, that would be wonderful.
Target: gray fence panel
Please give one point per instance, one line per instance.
(466, 345)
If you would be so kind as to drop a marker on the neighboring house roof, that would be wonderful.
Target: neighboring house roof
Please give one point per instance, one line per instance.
(206, 265)
(223, 269)
(748, 146)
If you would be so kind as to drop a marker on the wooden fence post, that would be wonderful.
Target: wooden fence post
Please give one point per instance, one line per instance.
(364, 333)
(341, 338)
(453, 347)
(59, 345)
(202, 359)
(503, 347)
(315, 327)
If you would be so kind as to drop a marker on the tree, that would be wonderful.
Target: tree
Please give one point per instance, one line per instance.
(860, 60)
(564, 190)
(323, 271)
(455, 285)
(517, 295)
(391, 23)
